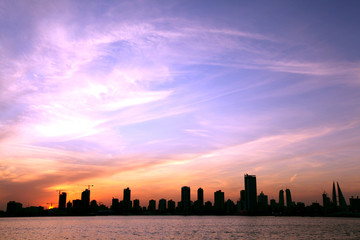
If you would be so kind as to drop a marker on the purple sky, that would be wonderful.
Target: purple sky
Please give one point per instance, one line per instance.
(156, 95)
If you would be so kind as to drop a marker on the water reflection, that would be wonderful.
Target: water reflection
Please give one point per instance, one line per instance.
(179, 227)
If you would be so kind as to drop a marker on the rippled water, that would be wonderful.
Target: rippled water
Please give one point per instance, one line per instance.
(179, 227)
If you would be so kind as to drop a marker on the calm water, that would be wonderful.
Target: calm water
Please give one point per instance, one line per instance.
(179, 227)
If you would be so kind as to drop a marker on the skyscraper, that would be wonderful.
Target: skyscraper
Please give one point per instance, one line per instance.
(334, 200)
(289, 202)
(200, 193)
(185, 198)
(152, 205)
(281, 198)
(162, 205)
(219, 201)
(251, 192)
(342, 202)
(126, 197)
(62, 201)
(126, 203)
(171, 206)
(85, 200)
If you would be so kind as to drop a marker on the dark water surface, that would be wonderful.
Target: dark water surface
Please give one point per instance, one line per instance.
(179, 227)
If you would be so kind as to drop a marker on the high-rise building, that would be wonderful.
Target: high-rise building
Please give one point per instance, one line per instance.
(162, 205)
(152, 205)
(251, 192)
(171, 206)
(137, 205)
(85, 200)
(62, 201)
(342, 202)
(289, 202)
(219, 201)
(185, 198)
(126, 203)
(281, 198)
(200, 194)
(334, 200)
(126, 197)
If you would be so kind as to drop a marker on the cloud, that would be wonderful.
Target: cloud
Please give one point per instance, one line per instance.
(293, 178)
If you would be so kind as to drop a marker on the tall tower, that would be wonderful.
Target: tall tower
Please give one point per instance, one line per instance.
(219, 201)
(126, 197)
(127, 204)
(62, 201)
(185, 198)
(200, 193)
(250, 192)
(288, 198)
(85, 199)
(342, 202)
(281, 198)
(334, 195)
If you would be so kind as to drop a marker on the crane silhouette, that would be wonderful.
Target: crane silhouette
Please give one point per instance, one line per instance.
(51, 205)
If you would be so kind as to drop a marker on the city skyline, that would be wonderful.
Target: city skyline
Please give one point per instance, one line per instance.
(249, 203)
(159, 95)
(248, 200)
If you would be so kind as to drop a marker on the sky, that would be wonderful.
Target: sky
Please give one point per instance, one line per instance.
(156, 95)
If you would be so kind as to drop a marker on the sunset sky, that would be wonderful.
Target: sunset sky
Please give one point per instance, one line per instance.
(156, 95)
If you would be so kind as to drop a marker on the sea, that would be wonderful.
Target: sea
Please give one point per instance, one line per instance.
(179, 227)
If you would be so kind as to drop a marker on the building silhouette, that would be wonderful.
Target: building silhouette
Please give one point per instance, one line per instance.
(208, 207)
(126, 197)
(342, 202)
(326, 200)
(251, 192)
(185, 199)
(334, 199)
(126, 203)
(200, 195)
(229, 207)
(115, 205)
(162, 205)
(77, 206)
(219, 201)
(62, 201)
(69, 205)
(136, 207)
(263, 200)
(355, 204)
(85, 200)
(171, 206)
(152, 205)
(14, 208)
(242, 202)
(94, 206)
(281, 198)
(289, 202)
